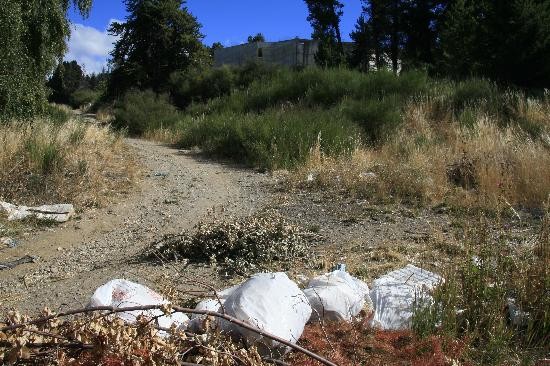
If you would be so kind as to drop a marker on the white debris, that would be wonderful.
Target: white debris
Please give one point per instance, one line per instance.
(270, 302)
(58, 213)
(395, 295)
(337, 296)
(122, 293)
(368, 175)
(518, 318)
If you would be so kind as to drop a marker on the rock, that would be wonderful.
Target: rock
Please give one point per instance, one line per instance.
(9, 242)
(57, 213)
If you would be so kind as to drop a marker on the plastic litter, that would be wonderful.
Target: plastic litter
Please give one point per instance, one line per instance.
(396, 294)
(122, 293)
(270, 302)
(58, 213)
(337, 296)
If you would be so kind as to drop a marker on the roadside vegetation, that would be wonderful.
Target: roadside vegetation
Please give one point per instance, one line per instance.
(407, 137)
(60, 159)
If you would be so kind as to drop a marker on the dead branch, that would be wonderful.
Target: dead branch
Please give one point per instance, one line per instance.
(177, 309)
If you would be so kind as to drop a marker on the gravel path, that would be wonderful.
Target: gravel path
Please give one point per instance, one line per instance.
(179, 189)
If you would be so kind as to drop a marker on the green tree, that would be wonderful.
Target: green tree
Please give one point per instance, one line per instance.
(66, 79)
(32, 38)
(363, 45)
(507, 41)
(257, 38)
(420, 25)
(324, 16)
(158, 38)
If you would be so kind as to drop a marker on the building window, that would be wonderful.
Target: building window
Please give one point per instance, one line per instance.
(260, 52)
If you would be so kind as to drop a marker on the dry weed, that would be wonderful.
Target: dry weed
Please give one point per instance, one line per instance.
(75, 162)
(433, 161)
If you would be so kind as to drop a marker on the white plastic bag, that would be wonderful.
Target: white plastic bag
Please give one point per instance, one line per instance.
(396, 294)
(337, 296)
(270, 302)
(122, 293)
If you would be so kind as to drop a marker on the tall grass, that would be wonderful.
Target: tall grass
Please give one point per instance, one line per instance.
(495, 297)
(432, 161)
(46, 162)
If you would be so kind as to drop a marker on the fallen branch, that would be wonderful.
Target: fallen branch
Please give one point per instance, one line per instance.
(177, 309)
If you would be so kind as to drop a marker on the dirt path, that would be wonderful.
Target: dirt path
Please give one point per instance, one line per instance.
(178, 190)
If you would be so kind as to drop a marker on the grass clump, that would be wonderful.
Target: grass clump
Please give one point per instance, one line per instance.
(44, 162)
(242, 246)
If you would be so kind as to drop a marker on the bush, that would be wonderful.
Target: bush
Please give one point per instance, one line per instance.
(83, 97)
(274, 139)
(143, 111)
(57, 114)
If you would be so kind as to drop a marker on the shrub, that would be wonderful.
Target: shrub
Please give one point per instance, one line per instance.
(274, 139)
(200, 85)
(142, 111)
(83, 97)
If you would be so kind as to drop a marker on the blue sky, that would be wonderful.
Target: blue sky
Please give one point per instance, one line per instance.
(227, 21)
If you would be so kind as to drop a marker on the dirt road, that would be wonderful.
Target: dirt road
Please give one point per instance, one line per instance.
(178, 190)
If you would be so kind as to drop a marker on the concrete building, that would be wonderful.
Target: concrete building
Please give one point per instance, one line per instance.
(294, 52)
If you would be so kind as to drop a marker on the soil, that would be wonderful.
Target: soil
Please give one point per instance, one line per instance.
(178, 189)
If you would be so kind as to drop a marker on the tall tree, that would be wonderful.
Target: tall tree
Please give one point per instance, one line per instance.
(158, 38)
(324, 16)
(504, 40)
(363, 45)
(420, 22)
(33, 37)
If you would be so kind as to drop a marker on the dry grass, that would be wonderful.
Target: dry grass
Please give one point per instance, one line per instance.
(78, 163)
(436, 159)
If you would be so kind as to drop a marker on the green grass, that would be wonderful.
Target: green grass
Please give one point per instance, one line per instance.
(274, 139)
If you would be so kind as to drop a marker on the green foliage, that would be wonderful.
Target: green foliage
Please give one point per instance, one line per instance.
(273, 139)
(324, 16)
(56, 114)
(33, 38)
(201, 85)
(66, 79)
(84, 96)
(159, 37)
(507, 41)
(257, 38)
(142, 111)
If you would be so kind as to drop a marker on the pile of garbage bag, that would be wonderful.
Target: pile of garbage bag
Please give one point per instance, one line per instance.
(273, 303)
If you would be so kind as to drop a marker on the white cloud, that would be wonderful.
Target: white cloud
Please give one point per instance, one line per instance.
(90, 47)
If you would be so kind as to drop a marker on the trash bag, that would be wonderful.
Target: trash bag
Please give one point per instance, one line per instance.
(337, 296)
(270, 302)
(396, 294)
(122, 293)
